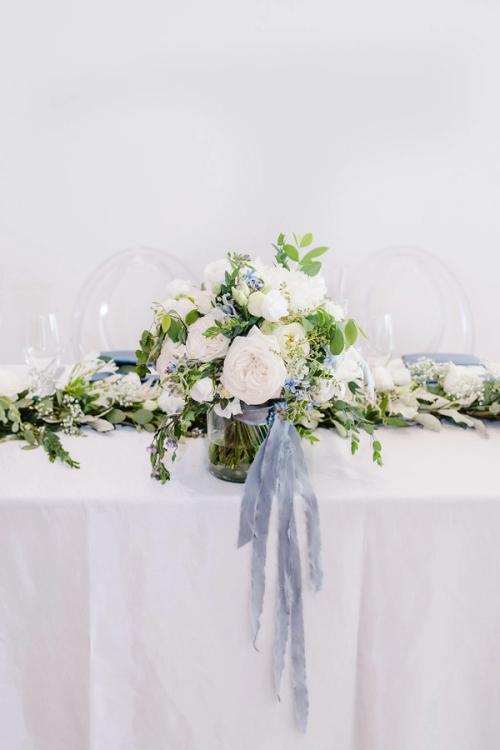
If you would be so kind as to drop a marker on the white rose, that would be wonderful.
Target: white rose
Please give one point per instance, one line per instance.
(170, 403)
(233, 407)
(325, 389)
(179, 287)
(206, 348)
(202, 300)
(202, 390)
(383, 379)
(11, 383)
(348, 367)
(291, 337)
(271, 305)
(180, 306)
(400, 373)
(214, 273)
(170, 353)
(253, 369)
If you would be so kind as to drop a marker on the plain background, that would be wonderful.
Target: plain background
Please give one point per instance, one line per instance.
(199, 127)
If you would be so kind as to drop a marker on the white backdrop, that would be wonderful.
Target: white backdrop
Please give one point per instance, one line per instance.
(200, 127)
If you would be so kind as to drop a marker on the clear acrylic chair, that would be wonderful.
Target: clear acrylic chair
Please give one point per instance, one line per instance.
(429, 308)
(114, 305)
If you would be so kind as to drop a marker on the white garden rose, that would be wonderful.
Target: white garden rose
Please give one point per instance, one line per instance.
(170, 353)
(206, 348)
(11, 383)
(254, 371)
(202, 390)
(214, 273)
(170, 403)
(291, 338)
(271, 306)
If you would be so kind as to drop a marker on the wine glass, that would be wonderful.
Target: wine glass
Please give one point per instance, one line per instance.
(42, 350)
(379, 346)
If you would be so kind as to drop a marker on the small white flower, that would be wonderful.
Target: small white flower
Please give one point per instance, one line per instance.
(11, 383)
(311, 419)
(253, 370)
(202, 390)
(150, 404)
(170, 403)
(206, 348)
(325, 389)
(233, 407)
(271, 306)
(214, 273)
(241, 293)
(463, 384)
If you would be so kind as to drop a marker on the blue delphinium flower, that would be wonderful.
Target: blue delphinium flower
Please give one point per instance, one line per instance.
(252, 280)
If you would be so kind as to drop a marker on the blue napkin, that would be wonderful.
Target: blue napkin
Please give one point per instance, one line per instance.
(467, 360)
(122, 357)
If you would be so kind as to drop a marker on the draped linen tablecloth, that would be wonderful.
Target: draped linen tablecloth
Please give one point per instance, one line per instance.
(124, 604)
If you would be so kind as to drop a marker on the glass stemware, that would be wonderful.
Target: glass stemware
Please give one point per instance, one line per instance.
(378, 348)
(42, 350)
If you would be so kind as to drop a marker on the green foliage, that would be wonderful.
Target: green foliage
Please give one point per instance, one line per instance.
(285, 251)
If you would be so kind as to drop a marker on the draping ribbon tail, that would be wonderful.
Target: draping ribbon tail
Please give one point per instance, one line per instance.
(311, 510)
(260, 488)
(279, 469)
(298, 648)
(284, 593)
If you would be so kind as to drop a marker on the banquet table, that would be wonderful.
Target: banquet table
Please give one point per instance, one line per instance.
(125, 615)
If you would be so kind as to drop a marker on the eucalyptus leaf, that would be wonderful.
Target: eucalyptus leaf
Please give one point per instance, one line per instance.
(311, 269)
(351, 332)
(337, 341)
(115, 416)
(292, 252)
(312, 254)
(143, 416)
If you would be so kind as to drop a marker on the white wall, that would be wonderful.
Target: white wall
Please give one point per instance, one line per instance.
(205, 126)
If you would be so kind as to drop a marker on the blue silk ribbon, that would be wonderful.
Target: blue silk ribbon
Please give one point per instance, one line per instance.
(279, 472)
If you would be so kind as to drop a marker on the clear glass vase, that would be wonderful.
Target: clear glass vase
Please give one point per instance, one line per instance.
(233, 442)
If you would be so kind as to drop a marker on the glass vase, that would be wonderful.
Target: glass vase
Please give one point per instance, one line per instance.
(233, 442)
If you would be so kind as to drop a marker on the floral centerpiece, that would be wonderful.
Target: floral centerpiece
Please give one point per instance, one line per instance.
(251, 339)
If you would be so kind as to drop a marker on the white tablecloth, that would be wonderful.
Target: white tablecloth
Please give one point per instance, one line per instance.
(124, 604)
